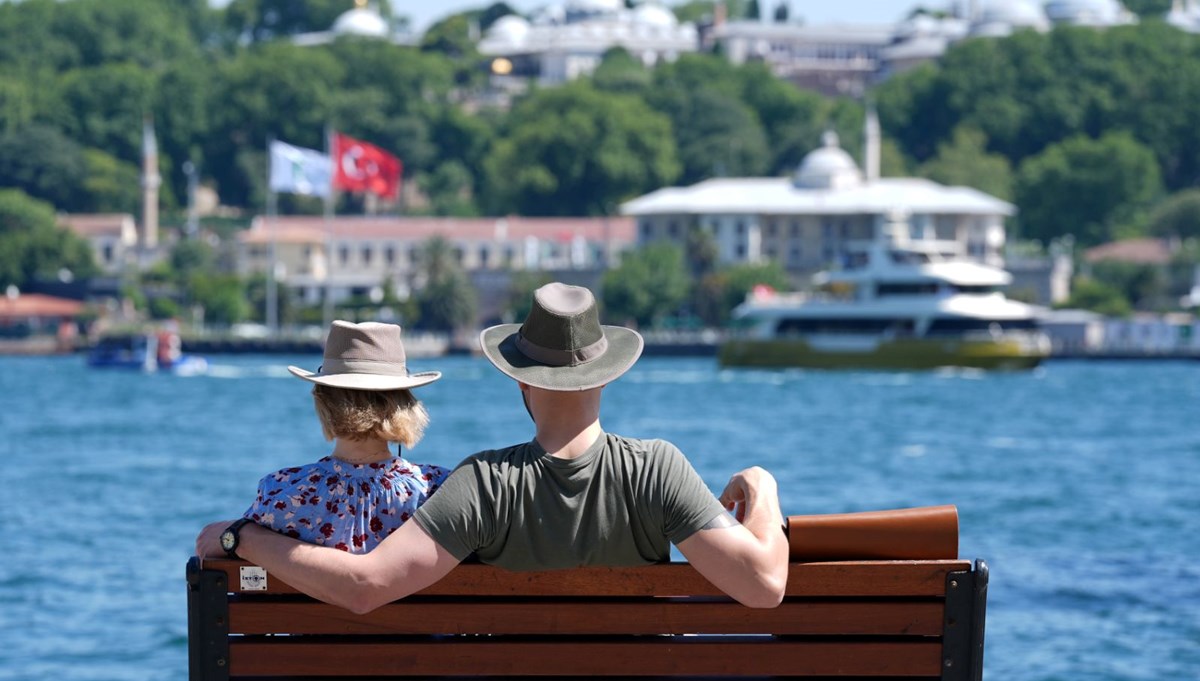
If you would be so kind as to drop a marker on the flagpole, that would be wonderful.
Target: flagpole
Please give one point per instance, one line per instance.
(272, 312)
(327, 303)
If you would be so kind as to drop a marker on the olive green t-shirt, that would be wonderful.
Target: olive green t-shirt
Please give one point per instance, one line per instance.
(622, 502)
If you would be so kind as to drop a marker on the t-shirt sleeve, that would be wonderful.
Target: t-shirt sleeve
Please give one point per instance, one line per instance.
(688, 503)
(456, 517)
(264, 510)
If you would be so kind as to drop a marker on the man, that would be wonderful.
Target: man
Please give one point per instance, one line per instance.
(575, 495)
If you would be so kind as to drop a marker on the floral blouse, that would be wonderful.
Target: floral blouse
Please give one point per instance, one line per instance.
(351, 507)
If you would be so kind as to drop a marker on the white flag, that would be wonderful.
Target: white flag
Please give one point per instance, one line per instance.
(296, 170)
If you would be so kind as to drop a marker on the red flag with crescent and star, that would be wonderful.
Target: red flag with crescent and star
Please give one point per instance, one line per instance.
(361, 167)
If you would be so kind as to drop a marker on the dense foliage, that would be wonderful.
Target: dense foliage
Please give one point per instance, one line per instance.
(1090, 132)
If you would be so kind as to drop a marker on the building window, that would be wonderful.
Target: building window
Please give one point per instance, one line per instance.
(741, 251)
(389, 255)
(647, 229)
(108, 253)
(344, 254)
(795, 254)
(795, 228)
(483, 256)
(459, 255)
(740, 228)
(772, 228)
(673, 228)
(366, 255)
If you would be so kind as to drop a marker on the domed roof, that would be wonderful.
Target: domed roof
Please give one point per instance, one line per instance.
(362, 21)
(510, 29)
(829, 167)
(655, 15)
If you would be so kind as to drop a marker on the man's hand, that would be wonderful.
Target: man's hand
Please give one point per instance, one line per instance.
(208, 542)
(745, 486)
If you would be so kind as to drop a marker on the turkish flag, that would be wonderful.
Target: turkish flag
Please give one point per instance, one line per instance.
(362, 167)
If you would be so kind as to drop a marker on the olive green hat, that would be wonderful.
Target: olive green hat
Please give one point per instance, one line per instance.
(562, 345)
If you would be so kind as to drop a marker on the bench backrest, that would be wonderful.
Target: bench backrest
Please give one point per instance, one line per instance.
(879, 619)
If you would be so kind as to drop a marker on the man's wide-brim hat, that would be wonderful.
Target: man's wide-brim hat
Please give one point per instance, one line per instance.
(562, 345)
(366, 356)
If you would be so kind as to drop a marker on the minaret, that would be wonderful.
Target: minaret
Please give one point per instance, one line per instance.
(871, 145)
(151, 180)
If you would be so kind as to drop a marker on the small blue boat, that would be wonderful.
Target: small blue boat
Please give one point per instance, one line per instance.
(159, 351)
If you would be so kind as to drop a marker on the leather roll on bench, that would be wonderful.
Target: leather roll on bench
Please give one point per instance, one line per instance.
(925, 533)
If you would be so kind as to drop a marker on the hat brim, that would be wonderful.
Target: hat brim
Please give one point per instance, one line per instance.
(624, 348)
(374, 382)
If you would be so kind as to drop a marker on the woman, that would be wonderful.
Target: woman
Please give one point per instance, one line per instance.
(356, 496)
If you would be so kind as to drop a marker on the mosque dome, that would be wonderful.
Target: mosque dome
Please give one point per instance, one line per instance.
(654, 15)
(829, 167)
(510, 29)
(362, 21)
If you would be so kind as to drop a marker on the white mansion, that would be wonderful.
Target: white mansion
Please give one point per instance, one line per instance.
(807, 221)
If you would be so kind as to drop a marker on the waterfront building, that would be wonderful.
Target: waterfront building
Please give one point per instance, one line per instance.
(808, 222)
(354, 256)
(112, 236)
(1096, 13)
(566, 40)
(1000, 18)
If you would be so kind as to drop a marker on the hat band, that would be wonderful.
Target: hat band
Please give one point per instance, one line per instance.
(362, 366)
(561, 358)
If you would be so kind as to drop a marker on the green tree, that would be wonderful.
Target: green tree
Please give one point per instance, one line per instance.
(1177, 216)
(33, 246)
(255, 88)
(1101, 298)
(965, 161)
(111, 185)
(649, 285)
(222, 297)
(574, 150)
(1149, 9)
(445, 298)
(619, 71)
(1090, 188)
(718, 136)
(45, 164)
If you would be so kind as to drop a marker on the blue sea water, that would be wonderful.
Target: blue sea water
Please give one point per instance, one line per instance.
(1079, 483)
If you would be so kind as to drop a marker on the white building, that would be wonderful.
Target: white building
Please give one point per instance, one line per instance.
(355, 255)
(808, 221)
(567, 40)
(1096, 13)
(1185, 15)
(112, 236)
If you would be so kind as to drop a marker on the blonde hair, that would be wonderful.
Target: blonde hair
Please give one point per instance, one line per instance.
(391, 415)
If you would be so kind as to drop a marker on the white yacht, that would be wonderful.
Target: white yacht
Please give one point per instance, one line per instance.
(894, 304)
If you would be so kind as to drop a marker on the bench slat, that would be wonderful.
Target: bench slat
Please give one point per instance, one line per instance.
(652, 616)
(652, 656)
(860, 578)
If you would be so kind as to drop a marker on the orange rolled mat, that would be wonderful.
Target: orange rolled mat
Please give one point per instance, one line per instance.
(925, 533)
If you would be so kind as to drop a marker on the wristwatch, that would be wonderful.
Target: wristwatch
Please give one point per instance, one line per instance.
(230, 537)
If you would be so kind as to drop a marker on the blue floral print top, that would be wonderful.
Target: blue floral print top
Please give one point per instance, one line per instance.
(351, 507)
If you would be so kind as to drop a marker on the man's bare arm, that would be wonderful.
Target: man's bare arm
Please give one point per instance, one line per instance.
(748, 561)
(406, 562)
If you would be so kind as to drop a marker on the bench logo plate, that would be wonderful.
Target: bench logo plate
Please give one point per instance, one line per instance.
(254, 578)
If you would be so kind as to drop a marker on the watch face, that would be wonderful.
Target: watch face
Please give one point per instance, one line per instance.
(228, 540)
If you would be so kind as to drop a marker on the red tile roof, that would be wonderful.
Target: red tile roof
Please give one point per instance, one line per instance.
(1142, 251)
(96, 224)
(29, 305)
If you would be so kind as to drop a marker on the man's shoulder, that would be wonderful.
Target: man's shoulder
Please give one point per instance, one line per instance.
(647, 448)
(491, 458)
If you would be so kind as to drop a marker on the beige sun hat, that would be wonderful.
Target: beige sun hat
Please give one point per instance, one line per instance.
(562, 345)
(366, 356)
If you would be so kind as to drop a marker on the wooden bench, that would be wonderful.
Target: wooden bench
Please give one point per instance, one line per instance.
(859, 619)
